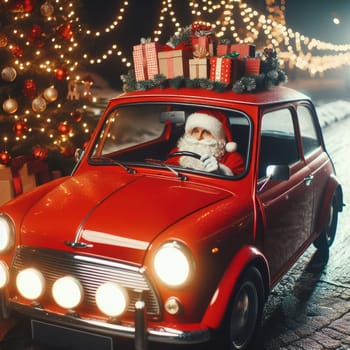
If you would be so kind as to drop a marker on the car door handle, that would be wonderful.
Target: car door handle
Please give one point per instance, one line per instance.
(308, 179)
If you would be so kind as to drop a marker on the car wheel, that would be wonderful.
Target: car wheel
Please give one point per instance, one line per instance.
(326, 238)
(243, 320)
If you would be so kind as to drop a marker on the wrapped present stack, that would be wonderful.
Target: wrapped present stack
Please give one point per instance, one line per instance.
(194, 53)
(22, 174)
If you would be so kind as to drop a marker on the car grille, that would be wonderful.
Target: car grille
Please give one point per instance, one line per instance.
(91, 272)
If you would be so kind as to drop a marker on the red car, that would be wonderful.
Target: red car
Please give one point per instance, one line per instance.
(135, 244)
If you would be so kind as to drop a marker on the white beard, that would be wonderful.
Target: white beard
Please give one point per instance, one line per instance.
(203, 147)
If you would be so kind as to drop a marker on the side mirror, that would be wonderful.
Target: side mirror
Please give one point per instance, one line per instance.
(278, 172)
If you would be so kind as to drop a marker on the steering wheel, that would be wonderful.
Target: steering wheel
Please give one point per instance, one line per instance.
(184, 153)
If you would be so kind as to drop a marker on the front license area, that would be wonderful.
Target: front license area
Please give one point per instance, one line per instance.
(67, 338)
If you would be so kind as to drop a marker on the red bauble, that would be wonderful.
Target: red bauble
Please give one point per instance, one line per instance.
(20, 128)
(17, 51)
(65, 31)
(61, 73)
(40, 152)
(29, 88)
(35, 32)
(63, 129)
(77, 115)
(5, 157)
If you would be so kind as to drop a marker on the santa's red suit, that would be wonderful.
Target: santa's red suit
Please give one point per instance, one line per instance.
(218, 154)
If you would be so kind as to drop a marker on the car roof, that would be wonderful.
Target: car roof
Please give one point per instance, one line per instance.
(273, 96)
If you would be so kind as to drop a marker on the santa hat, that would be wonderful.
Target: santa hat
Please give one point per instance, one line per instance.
(215, 122)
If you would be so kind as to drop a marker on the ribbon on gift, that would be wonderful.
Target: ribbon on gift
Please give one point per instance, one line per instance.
(233, 54)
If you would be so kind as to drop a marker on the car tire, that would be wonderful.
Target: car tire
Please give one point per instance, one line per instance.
(242, 323)
(327, 236)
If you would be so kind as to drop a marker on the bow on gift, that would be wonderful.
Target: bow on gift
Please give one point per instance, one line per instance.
(145, 41)
(233, 54)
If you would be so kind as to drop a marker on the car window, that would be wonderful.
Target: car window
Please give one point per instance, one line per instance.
(140, 133)
(278, 143)
(309, 136)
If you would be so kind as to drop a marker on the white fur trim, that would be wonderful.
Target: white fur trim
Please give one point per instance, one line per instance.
(206, 122)
(231, 147)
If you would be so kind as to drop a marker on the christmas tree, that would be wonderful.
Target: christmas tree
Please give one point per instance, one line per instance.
(45, 92)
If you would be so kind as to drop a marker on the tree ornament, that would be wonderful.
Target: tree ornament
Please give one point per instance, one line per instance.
(8, 74)
(10, 106)
(61, 73)
(63, 129)
(5, 157)
(50, 94)
(77, 115)
(65, 31)
(39, 104)
(17, 51)
(29, 88)
(20, 128)
(3, 40)
(22, 6)
(47, 9)
(35, 32)
(40, 152)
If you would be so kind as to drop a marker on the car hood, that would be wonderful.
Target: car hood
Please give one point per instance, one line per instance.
(112, 215)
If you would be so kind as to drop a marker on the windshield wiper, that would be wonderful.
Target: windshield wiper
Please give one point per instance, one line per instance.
(113, 161)
(179, 175)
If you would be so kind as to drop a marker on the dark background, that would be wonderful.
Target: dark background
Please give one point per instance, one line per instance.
(313, 18)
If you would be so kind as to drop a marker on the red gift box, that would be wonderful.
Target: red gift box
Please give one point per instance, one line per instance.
(220, 69)
(174, 63)
(146, 61)
(199, 68)
(203, 46)
(226, 70)
(244, 50)
(252, 66)
(223, 49)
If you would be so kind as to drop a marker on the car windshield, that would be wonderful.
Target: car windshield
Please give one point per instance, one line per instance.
(149, 134)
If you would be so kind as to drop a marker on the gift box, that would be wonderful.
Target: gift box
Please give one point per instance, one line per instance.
(28, 179)
(226, 70)
(6, 191)
(203, 46)
(222, 49)
(252, 66)
(5, 173)
(244, 50)
(199, 68)
(174, 63)
(146, 61)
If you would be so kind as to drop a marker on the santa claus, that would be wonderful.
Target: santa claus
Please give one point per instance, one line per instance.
(207, 133)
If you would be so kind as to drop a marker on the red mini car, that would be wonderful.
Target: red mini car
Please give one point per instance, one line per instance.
(141, 243)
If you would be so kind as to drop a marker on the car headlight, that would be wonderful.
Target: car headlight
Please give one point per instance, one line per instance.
(7, 233)
(112, 299)
(67, 292)
(173, 264)
(30, 283)
(4, 274)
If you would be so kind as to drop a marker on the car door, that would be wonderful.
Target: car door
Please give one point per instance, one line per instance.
(286, 205)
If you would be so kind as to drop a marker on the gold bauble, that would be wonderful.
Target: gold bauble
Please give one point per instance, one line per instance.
(10, 106)
(50, 94)
(47, 9)
(39, 104)
(8, 74)
(3, 40)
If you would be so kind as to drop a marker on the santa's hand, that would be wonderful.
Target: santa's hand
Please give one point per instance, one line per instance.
(210, 163)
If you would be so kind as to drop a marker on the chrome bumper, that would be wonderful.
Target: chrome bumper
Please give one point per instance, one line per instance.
(140, 333)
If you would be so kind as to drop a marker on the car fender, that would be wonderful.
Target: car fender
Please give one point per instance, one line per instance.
(333, 188)
(247, 256)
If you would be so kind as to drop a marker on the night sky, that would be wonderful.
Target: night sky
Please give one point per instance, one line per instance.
(313, 18)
